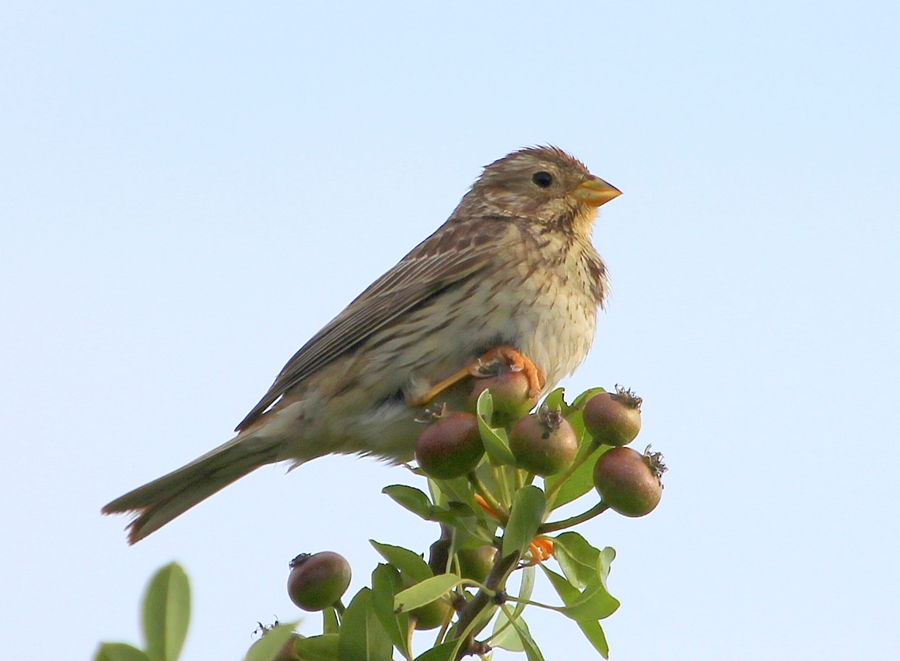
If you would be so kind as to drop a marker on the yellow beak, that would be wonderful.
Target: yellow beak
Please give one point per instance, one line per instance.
(595, 192)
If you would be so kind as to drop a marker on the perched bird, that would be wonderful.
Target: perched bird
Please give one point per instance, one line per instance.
(511, 275)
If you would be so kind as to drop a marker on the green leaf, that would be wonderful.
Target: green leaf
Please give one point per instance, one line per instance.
(594, 633)
(386, 583)
(318, 648)
(425, 592)
(526, 515)
(453, 513)
(556, 402)
(119, 652)
(505, 635)
(567, 592)
(532, 651)
(525, 588)
(167, 613)
(453, 490)
(443, 652)
(418, 503)
(411, 498)
(591, 628)
(485, 405)
(591, 605)
(594, 603)
(508, 638)
(577, 558)
(495, 442)
(272, 642)
(362, 637)
(584, 397)
(607, 555)
(406, 561)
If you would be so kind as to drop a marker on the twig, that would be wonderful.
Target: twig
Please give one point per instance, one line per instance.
(553, 526)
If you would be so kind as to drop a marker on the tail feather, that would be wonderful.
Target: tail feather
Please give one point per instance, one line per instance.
(160, 501)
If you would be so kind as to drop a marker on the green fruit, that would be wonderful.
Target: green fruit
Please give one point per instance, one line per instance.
(509, 393)
(451, 446)
(543, 443)
(628, 481)
(318, 581)
(613, 418)
(475, 564)
(433, 615)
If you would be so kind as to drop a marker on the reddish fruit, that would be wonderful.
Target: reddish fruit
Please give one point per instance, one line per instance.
(451, 446)
(475, 564)
(318, 581)
(543, 443)
(628, 481)
(509, 393)
(613, 418)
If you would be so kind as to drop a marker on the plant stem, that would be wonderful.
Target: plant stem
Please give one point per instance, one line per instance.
(538, 604)
(553, 526)
(494, 582)
(482, 491)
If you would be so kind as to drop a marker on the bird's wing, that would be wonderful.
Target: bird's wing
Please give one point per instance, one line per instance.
(450, 255)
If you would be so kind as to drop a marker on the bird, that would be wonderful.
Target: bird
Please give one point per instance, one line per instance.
(511, 275)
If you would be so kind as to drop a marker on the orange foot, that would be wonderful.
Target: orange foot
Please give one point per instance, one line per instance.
(497, 360)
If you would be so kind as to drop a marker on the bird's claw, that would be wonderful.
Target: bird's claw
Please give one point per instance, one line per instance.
(507, 359)
(496, 361)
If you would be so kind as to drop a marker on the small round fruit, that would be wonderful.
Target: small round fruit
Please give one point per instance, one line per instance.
(628, 481)
(433, 615)
(613, 418)
(509, 393)
(543, 443)
(475, 564)
(318, 581)
(451, 446)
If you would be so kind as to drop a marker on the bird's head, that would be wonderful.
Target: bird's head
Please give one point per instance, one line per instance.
(542, 184)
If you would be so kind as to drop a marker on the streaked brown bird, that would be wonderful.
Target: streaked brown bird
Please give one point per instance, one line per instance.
(510, 276)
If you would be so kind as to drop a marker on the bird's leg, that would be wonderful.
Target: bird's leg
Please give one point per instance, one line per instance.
(496, 361)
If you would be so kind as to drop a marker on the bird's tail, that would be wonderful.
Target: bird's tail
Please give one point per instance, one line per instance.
(160, 501)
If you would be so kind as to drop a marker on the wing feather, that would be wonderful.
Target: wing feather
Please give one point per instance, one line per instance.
(450, 255)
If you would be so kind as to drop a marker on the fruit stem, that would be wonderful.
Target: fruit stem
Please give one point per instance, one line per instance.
(520, 478)
(440, 637)
(553, 526)
(480, 489)
(410, 630)
(504, 480)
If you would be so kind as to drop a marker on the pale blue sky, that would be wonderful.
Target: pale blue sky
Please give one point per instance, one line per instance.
(188, 191)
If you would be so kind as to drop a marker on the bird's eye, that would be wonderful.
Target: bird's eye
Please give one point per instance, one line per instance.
(542, 179)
